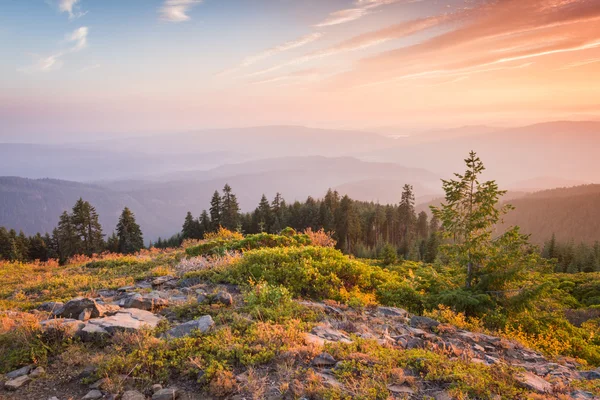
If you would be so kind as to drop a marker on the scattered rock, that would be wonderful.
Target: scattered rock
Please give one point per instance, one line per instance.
(324, 360)
(133, 395)
(73, 308)
(329, 334)
(53, 398)
(392, 312)
(534, 382)
(203, 324)
(223, 298)
(401, 390)
(156, 387)
(149, 302)
(423, 322)
(166, 280)
(85, 314)
(93, 333)
(50, 306)
(125, 289)
(97, 384)
(166, 394)
(93, 395)
(36, 373)
(18, 372)
(130, 319)
(590, 375)
(17, 383)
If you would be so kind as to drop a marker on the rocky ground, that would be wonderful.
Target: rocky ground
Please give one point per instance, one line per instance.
(150, 303)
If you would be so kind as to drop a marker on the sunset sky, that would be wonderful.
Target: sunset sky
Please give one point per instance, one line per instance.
(87, 67)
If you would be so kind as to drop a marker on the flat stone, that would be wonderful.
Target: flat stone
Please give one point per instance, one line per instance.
(223, 298)
(50, 306)
(125, 289)
(423, 322)
(330, 334)
(36, 373)
(17, 383)
(401, 389)
(590, 375)
(161, 280)
(149, 302)
(18, 372)
(93, 395)
(166, 394)
(202, 324)
(129, 319)
(324, 360)
(392, 312)
(133, 395)
(534, 382)
(92, 333)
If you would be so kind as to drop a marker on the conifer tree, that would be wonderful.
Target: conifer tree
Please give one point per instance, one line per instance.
(129, 233)
(191, 228)
(204, 222)
(264, 217)
(215, 211)
(87, 227)
(230, 211)
(68, 242)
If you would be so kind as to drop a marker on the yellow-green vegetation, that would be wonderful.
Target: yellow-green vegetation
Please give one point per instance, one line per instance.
(265, 334)
(23, 286)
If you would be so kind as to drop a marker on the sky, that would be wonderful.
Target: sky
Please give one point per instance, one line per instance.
(93, 68)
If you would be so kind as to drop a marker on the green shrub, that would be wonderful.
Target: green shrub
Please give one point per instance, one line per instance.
(219, 246)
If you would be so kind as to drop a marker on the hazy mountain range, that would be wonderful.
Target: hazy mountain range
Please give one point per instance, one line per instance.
(161, 177)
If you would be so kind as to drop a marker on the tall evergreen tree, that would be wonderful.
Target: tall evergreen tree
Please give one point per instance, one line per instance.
(87, 227)
(215, 211)
(204, 222)
(68, 242)
(230, 215)
(191, 228)
(129, 233)
(264, 217)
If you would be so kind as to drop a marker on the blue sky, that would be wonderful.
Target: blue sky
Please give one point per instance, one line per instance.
(87, 67)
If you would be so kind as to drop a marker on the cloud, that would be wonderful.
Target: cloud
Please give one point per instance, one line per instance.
(76, 41)
(291, 45)
(363, 41)
(176, 10)
(360, 9)
(70, 7)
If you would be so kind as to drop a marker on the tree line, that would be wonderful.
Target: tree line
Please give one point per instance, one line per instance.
(360, 228)
(78, 233)
(572, 258)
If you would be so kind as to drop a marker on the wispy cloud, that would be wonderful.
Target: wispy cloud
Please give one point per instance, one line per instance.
(360, 9)
(76, 41)
(71, 7)
(177, 10)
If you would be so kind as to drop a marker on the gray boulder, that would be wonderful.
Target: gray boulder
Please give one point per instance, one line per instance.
(166, 394)
(324, 360)
(93, 395)
(223, 298)
(423, 322)
(50, 306)
(203, 324)
(149, 302)
(133, 395)
(130, 319)
(17, 383)
(18, 372)
(73, 308)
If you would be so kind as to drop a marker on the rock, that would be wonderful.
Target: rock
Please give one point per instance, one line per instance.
(130, 319)
(92, 333)
(133, 395)
(36, 373)
(124, 289)
(156, 387)
(87, 372)
(392, 312)
(73, 308)
(442, 395)
(582, 395)
(149, 302)
(401, 389)
(324, 360)
(415, 343)
(534, 382)
(423, 322)
(50, 306)
(18, 372)
(162, 280)
(166, 394)
(329, 334)
(17, 383)
(85, 314)
(98, 384)
(201, 298)
(223, 298)
(53, 398)
(203, 324)
(589, 375)
(93, 395)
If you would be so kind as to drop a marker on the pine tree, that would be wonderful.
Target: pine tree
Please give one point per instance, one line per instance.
(204, 222)
(230, 215)
(129, 233)
(264, 217)
(112, 243)
(38, 249)
(469, 215)
(85, 221)
(406, 219)
(215, 211)
(191, 228)
(5, 244)
(347, 224)
(66, 238)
